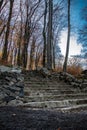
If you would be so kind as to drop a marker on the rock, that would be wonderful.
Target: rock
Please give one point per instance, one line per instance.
(11, 86)
(74, 84)
(5, 68)
(2, 95)
(20, 84)
(70, 79)
(16, 69)
(84, 85)
(21, 93)
(15, 102)
(2, 103)
(10, 69)
(11, 83)
(44, 71)
(8, 98)
(14, 80)
(67, 77)
(7, 78)
(20, 78)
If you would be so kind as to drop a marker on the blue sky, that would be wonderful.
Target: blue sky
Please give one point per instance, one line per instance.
(76, 23)
(76, 7)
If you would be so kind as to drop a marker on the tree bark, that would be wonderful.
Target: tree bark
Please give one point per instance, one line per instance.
(49, 39)
(25, 45)
(68, 40)
(32, 53)
(1, 2)
(4, 53)
(19, 57)
(54, 56)
(44, 35)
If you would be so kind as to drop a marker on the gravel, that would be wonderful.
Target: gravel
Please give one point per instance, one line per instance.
(13, 118)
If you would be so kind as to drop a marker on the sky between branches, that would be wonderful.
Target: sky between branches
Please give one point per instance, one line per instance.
(76, 24)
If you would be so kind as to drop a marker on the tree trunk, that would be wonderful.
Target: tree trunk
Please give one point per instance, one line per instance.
(1, 2)
(44, 35)
(49, 35)
(68, 40)
(19, 49)
(4, 53)
(25, 55)
(2, 30)
(32, 53)
(54, 56)
(25, 45)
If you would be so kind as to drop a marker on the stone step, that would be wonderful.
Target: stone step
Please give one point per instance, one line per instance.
(36, 81)
(74, 108)
(48, 92)
(44, 83)
(44, 93)
(56, 104)
(49, 87)
(84, 90)
(54, 97)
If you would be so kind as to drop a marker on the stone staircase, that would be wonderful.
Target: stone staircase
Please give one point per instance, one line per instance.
(52, 94)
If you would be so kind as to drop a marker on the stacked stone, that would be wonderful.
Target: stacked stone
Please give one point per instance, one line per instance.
(70, 79)
(11, 88)
(64, 76)
(84, 77)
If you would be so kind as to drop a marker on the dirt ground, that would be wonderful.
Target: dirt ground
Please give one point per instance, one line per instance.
(12, 118)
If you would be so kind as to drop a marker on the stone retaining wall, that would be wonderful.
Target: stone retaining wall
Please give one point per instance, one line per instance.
(66, 77)
(11, 88)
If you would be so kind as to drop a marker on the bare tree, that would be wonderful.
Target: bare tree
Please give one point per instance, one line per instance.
(28, 28)
(2, 17)
(1, 2)
(49, 36)
(4, 54)
(68, 40)
(44, 34)
(32, 54)
(59, 17)
(19, 57)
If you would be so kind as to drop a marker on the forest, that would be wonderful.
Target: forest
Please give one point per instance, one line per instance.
(30, 32)
(43, 64)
